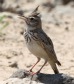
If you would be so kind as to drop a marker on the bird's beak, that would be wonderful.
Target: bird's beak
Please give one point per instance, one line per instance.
(23, 18)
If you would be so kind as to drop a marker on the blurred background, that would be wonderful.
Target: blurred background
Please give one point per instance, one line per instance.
(57, 21)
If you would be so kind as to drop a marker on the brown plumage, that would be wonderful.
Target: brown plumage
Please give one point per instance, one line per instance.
(38, 42)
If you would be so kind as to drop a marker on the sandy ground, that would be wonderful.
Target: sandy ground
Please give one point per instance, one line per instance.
(58, 24)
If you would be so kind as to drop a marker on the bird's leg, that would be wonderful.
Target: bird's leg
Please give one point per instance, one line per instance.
(40, 68)
(35, 64)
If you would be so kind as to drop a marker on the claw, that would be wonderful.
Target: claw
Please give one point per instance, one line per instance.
(35, 73)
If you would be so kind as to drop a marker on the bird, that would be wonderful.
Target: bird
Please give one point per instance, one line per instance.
(38, 42)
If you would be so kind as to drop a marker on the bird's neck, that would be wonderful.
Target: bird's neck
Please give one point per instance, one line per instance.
(29, 28)
(33, 30)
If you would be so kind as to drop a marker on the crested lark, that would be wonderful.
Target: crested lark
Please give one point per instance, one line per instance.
(38, 42)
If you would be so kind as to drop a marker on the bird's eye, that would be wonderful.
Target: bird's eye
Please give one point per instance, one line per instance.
(31, 18)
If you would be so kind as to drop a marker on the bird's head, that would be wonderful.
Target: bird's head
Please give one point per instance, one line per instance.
(34, 19)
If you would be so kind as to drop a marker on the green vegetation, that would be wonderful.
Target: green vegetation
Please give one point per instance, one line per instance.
(5, 24)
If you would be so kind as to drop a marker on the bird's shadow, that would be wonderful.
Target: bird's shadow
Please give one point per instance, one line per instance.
(50, 78)
(43, 78)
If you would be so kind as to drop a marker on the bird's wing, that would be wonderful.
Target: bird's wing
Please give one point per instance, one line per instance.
(45, 42)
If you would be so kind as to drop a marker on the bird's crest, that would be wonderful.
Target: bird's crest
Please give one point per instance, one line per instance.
(35, 12)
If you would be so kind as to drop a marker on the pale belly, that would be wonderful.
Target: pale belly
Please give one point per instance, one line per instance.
(37, 50)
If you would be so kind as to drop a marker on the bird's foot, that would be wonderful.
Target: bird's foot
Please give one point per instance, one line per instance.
(33, 73)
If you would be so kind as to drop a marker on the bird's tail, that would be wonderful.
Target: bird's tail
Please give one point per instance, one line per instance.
(54, 67)
(58, 63)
